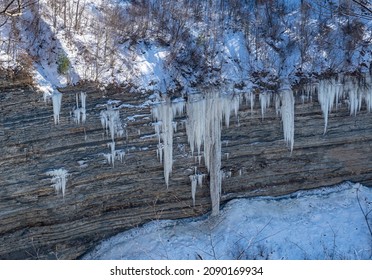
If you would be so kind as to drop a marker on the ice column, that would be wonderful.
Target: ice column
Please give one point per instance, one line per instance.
(80, 112)
(327, 91)
(205, 116)
(57, 101)
(196, 181)
(249, 98)
(287, 112)
(164, 114)
(265, 98)
(368, 93)
(110, 120)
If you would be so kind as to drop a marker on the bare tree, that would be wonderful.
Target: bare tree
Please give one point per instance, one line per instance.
(10, 9)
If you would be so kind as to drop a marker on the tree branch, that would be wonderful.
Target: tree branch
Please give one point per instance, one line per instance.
(7, 7)
(364, 6)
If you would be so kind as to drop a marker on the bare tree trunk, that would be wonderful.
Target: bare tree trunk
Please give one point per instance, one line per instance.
(77, 15)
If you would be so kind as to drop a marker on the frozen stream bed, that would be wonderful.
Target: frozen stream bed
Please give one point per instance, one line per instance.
(326, 223)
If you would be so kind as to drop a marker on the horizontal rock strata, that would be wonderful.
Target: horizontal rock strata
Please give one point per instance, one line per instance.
(101, 200)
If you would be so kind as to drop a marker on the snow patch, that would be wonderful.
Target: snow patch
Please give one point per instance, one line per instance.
(320, 224)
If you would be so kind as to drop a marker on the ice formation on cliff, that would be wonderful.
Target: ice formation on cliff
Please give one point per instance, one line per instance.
(59, 179)
(57, 101)
(249, 99)
(110, 120)
(205, 115)
(164, 113)
(265, 98)
(327, 93)
(287, 112)
(80, 112)
(196, 181)
(207, 112)
(352, 90)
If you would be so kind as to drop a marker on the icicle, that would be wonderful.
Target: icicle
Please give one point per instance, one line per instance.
(355, 102)
(368, 99)
(59, 179)
(57, 101)
(110, 120)
(120, 154)
(196, 181)
(200, 179)
(174, 124)
(249, 98)
(277, 104)
(164, 113)
(113, 153)
(195, 125)
(368, 93)
(338, 94)
(354, 92)
(326, 97)
(77, 115)
(83, 98)
(287, 111)
(77, 111)
(178, 108)
(167, 137)
(264, 102)
(308, 91)
(46, 96)
(205, 116)
(193, 188)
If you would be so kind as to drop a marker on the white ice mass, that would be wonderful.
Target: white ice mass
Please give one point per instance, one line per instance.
(351, 90)
(287, 112)
(111, 123)
(208, 111)
(205, 116)
(80, 112)
(59, 179)
(57, 103)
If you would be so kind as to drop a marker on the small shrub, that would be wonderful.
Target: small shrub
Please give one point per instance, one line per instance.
(63, 64)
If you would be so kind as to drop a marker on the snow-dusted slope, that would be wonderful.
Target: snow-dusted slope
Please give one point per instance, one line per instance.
(327, 223)
(174, 45)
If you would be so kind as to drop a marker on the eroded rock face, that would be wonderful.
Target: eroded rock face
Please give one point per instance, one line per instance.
(100, 200)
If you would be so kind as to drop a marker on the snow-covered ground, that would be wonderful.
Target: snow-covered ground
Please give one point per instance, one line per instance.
(326, 223)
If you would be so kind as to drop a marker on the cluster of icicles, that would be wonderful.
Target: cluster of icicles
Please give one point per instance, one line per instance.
(350, 89)
(206, 114)
(111, 123)
(59, 176)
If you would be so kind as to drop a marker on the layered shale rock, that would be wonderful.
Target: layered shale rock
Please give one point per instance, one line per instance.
(102, 199)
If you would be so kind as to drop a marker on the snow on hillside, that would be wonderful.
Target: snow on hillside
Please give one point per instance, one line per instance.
(172, 46)
(327, 223)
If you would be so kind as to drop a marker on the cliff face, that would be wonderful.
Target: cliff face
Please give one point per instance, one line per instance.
(101, 200)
